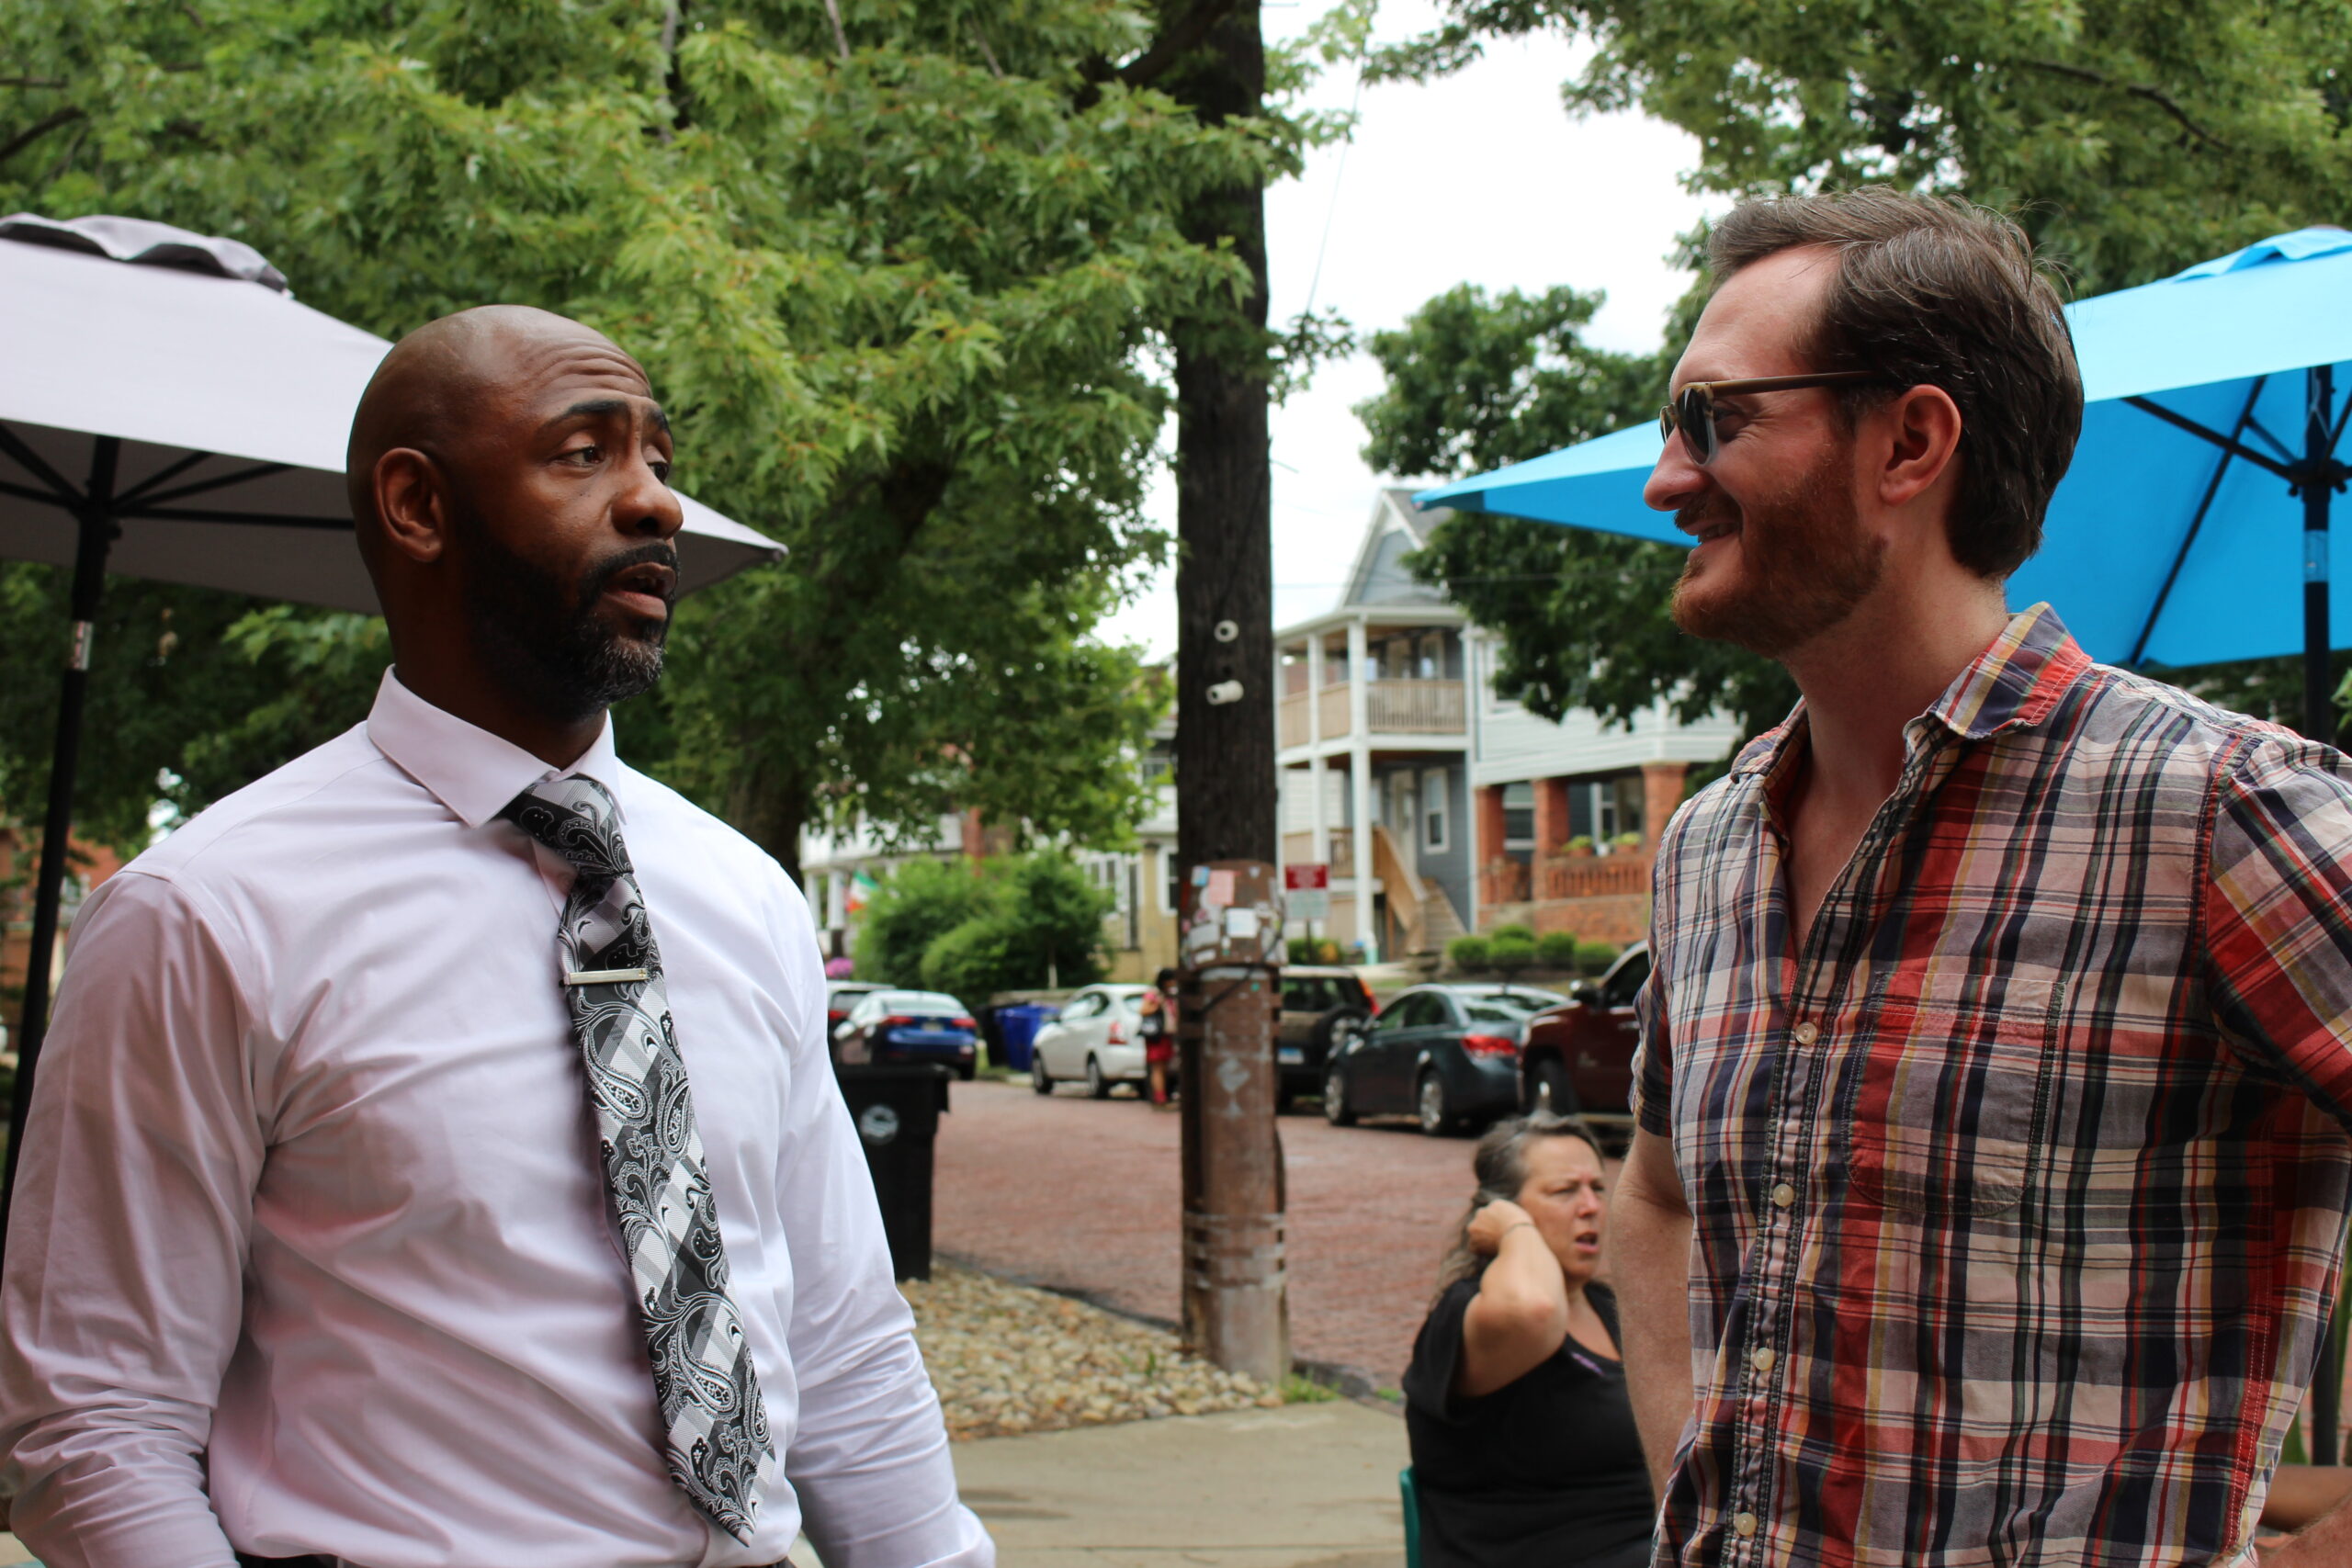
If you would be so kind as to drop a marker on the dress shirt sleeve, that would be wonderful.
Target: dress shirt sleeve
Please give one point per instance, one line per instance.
(123, 1292)
(869, 1458)
(2279, 918)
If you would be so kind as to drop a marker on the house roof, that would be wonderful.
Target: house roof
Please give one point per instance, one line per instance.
(1376, 582)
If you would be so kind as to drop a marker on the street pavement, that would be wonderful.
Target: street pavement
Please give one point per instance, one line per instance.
(1081, 1195)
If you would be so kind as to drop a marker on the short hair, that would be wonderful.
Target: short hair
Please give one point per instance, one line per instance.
(1943, 293)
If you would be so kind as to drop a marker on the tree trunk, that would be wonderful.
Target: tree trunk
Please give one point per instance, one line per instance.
(771, 812)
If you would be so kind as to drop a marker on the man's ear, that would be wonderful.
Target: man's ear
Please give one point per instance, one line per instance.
(412, 502)
(1923, 428)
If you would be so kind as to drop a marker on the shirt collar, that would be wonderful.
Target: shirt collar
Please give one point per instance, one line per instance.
(2013, 684)
(474, 772)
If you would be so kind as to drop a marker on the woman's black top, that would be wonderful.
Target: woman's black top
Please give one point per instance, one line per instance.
(1543, 1472)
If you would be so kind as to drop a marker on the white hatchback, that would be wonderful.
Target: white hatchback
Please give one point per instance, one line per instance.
(1097, 1038)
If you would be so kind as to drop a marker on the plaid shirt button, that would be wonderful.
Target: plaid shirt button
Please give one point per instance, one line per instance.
(1745, 1523)
(1783, 1195)
(1806, 1033)
(1763, 1360)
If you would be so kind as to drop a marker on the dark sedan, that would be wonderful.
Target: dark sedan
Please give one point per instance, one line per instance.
(1446, 1055)
(1579, 1059)
(910, 1026)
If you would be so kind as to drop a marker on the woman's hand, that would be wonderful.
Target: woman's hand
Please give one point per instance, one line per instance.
(1488, 1224)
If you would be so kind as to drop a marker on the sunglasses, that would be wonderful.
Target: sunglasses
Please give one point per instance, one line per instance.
(1693, 411)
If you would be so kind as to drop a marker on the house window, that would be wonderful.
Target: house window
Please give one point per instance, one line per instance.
(1431, 666)
(1519, 817)
(1433, 799)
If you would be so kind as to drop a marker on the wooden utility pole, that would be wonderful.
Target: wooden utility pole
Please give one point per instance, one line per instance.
(1233, 1285)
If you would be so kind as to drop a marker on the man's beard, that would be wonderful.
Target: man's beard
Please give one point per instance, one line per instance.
(1804, 564)
(549, 646)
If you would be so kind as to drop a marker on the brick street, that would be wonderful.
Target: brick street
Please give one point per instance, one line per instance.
(1080, 1195)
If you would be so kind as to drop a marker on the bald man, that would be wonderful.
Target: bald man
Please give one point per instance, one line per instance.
(435, 1162)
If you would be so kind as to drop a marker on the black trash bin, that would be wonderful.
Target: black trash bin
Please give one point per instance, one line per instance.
(897, 1107)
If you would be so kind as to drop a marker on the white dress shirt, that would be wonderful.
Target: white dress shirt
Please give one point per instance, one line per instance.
(311, 1249)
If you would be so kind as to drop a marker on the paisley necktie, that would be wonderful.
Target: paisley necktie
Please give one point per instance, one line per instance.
(712, 1417)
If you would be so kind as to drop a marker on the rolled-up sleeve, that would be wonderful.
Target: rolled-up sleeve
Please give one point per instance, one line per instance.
(2279, 915)
(1653, 1092)
(127, 1241)
(869, 1460)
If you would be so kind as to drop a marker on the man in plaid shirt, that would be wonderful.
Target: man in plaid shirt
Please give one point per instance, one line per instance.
(1991, 1173)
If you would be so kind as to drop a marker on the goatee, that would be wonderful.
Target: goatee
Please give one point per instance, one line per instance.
(1804, 564)
(551, 644)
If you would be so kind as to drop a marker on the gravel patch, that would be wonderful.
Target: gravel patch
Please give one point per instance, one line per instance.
(1007, 1359)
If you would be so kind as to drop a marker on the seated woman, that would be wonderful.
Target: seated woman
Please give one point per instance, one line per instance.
(1525, 1451)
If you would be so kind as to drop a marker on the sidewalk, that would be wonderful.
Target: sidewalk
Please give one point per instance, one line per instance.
(1303, 1487)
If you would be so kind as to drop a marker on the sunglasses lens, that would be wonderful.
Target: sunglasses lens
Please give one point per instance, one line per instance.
(1695, 415)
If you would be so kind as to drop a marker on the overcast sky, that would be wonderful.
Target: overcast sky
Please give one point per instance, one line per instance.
(1482, 178)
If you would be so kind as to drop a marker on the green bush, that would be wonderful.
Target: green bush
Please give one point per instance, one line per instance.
(1511, 954)
(1017, 924)
(1514, 932)
(1468, 954)
(916, 905)
(1557, 950)
(1595, 957)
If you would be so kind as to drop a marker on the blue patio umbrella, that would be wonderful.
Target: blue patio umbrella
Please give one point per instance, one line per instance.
(2193, 525)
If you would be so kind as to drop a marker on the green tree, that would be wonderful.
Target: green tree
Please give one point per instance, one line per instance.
(901, 279)
(1017, 923)
(913, 906)
(2130, 140)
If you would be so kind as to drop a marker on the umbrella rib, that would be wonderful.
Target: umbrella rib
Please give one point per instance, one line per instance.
(263, 519)
(30, 461)
(2226, 443)
(258, 471)
(27, 492)
(2196, 521)
(161, 476)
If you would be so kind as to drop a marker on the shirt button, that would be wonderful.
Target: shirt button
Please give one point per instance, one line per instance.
(1783, 1195)
(1745, 1524)
(1806, 1033)
(1762, 1359)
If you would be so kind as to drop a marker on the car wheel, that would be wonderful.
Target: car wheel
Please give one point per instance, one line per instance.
(1097, 1086)
(1282, 1102)
(1040, 1079)
(1552, 1092)
(967, 1070)
(1433, 1105)
(1336, 1110)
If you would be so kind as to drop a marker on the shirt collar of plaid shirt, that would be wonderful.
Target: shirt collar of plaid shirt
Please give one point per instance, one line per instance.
(2013, 684)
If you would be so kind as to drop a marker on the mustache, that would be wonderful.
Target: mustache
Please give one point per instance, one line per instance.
(1709, 508)
(600, 577)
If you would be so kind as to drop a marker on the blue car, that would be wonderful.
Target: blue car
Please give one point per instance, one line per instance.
(910, 1026)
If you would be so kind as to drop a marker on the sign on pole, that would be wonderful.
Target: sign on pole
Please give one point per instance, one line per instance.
(1306, 891)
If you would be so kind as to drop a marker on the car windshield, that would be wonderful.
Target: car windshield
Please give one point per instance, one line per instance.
(922, 1001)
(1319, 993)
(1488, 1012)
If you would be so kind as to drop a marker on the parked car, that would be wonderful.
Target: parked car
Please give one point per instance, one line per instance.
(910, 1026)
(1319, 1005)
(842, 995)
(1097, 1038)
(1579, 1059)
(1447, 1055)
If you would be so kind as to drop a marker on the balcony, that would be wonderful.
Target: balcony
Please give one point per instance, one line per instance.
(1391, 707)
(1592, 877)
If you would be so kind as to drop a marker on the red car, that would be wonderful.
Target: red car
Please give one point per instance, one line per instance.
(1579, 1060)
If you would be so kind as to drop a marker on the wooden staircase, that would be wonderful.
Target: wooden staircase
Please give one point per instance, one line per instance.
(1421, 908)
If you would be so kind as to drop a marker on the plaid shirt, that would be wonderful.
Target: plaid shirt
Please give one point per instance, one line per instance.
(2018, 1193)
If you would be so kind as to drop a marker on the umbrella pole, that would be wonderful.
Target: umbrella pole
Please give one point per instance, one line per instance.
(94, 515)
(2317, 475)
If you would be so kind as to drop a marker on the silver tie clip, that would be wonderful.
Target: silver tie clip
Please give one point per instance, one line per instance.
(604, 976)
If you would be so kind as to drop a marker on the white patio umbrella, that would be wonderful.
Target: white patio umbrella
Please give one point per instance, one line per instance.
(168, 410)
